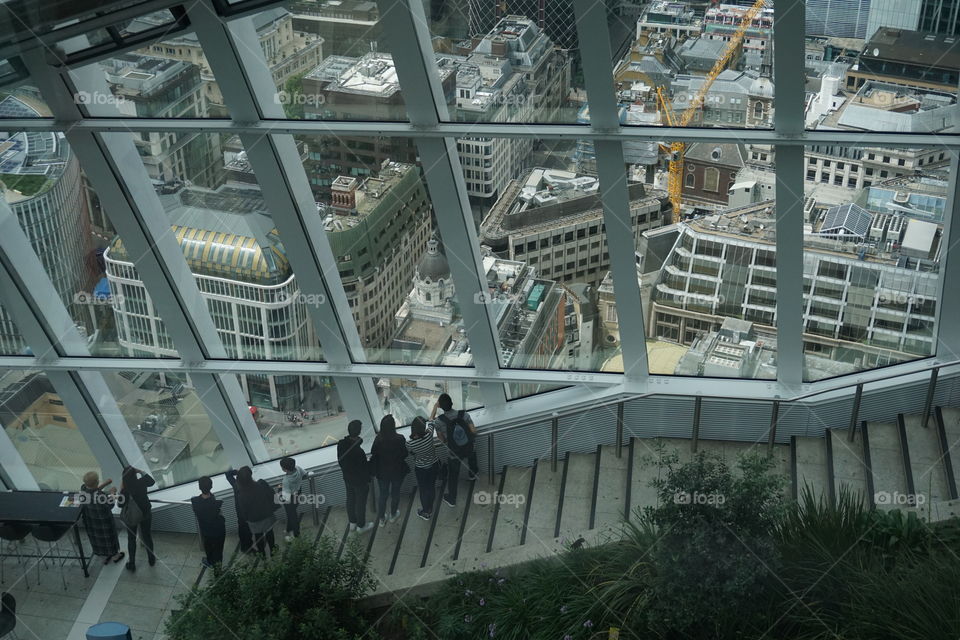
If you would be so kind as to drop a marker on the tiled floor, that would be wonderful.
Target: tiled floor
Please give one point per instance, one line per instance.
(141, 599)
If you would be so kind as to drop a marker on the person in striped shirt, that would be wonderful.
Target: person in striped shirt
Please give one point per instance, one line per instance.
(425, 464)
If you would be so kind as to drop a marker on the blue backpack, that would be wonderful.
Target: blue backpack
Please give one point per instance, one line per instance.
(458, 434)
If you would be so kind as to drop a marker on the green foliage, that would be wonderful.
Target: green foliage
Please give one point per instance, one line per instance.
(306, 592)
(292, 97)
(28, 185)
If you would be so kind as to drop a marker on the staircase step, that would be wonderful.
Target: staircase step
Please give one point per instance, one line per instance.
(886, 460)
(929, 474)
(543, 507)
(611, 489)
(578, 494)
(812, 467)
(446, 533)
(384, 539)
(849, 470)
(415, 535)
(476, 529)
(516, 486)
(335, 527)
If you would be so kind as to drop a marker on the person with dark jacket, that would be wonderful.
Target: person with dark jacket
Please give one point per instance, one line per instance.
(258, 503)
(243, 529)
(213, 530)
(133, 486)
(457, 431)
(356, 477)
(388, 460)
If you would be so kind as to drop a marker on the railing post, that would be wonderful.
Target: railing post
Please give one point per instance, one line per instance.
(852, 430)
(619, 428)
(554, 437)
(312, 477)
(774, 416)
(696, 424)
(491, 455)
(931, 389)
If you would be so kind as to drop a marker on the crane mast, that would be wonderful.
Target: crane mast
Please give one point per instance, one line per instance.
(677, 149)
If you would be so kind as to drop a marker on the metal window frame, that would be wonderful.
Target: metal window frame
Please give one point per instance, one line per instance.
(102, 142)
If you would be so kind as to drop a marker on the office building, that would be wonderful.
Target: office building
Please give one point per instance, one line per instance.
(837, 18)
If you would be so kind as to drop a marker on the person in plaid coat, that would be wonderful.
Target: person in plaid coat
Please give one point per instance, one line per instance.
(98, 518)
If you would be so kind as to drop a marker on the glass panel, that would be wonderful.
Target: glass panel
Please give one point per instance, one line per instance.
(871, 256)
(544, 249)
(62, 218)
(313, 414)
(698, 66)
(169, 424)
(43, 432)
(407, 398)
(26, 19)
(711, 306)
(218, 215)
(330, 61)
(516, 64)
(901, 75)
(392, 263)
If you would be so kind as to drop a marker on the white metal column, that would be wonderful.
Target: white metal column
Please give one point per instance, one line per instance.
(788, 61)
(416, 66)
(615, 198)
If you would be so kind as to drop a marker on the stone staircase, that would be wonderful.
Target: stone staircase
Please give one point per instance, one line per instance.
(590, 494)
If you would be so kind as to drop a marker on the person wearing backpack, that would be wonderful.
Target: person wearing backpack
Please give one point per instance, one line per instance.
(457, 432)
(388, 461)
(136, 514)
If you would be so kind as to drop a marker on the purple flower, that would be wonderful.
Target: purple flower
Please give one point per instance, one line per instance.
(482, 602)
(492, 629)
(483, 565)
(588, 624)
(467, 592)
(467, 618)
(563, 609)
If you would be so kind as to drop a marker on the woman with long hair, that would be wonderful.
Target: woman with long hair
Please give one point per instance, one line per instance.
(389, 452)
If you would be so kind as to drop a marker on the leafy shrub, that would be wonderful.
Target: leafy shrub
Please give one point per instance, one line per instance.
(306, 592)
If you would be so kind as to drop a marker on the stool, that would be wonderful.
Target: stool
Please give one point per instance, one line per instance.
(51, 534)
(109, 631)
(13, 534)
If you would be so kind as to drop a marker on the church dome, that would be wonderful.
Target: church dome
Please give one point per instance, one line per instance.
(762, 87)
(433, 266)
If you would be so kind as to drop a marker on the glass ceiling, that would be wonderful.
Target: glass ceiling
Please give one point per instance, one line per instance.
(348, 207)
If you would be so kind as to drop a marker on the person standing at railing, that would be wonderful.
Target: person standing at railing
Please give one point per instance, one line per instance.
(213, 530)
(97, 515)
(425, 464)
(258, 503)
(290, 492)
(133, 488)
(458, 432)
(388, 459)
(243, 529)
(356, 476)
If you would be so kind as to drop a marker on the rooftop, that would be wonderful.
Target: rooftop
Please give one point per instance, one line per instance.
(368, 192)
(914, 47)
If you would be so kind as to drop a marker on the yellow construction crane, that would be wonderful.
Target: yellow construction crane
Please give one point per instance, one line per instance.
(675, 179)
